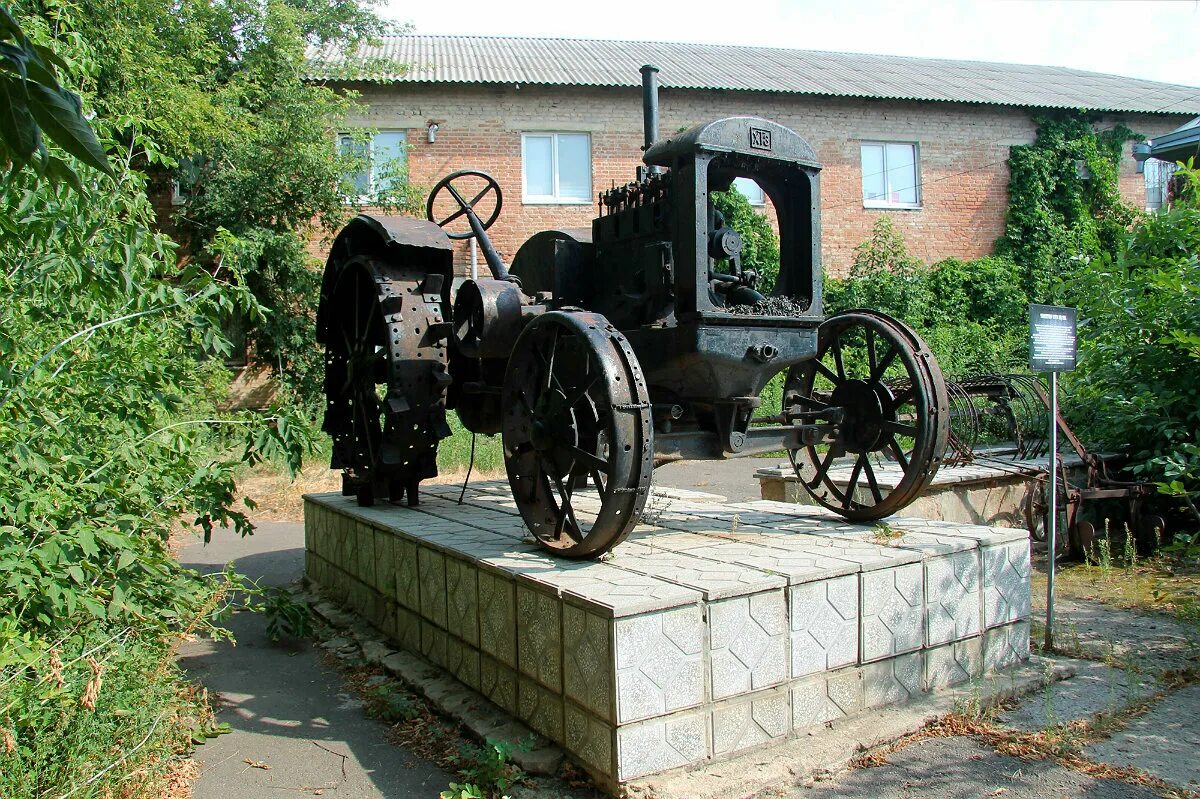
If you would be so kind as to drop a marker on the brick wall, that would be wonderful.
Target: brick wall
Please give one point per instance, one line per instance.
(962, 148)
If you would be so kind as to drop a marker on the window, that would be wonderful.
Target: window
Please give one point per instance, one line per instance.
(1158, 182)
(751, 191)
(889, 175)
(382, 160)
(187, 175)
(557, 167)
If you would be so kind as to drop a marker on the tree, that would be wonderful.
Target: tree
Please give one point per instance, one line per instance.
(1135, 389)
(33, 103)
(222, 90)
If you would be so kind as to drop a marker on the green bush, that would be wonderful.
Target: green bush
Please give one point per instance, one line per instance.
(972, 313)
(760, 245)
(1058, 219)
(883, 277)
(986, 290)
(110, 388)
(1135, 389)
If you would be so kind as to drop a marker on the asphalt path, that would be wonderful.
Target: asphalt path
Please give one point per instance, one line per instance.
(297, 731)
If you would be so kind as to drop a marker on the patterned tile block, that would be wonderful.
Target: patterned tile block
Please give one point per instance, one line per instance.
(714, 579)
(462, 600)
(433, 644)
(540, 708)
(498, 683)
(462, 660)
(1005, 646)
(587, 660)
(498, 617)
(661, 744)
(659, 662)
(1005, 583)
(953, 664)
(617, 592)
(406, 630)
(953, 600)
(893, 681)
(892, 603)
(823, 698)
(364, 553)
(384, 619)
(408, 586)
(336, 542)
(337, 585)
(313, 567)
(748, 643)
(431, 576)
(752, 722)
(539, 637)
(312, 521)
(362, 598)
(824, 622)
(589, 739)
(385, 563)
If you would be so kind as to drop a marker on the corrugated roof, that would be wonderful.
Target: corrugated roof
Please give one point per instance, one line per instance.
(587, 62)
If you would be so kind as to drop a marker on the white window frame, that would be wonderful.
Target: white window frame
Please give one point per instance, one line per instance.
(760, 203)
(372, 184)
(916, 147)
(555, 198)
(1158, 182)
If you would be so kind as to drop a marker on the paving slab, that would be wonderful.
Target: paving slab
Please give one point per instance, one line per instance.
(1147, 642)
(961, 768)
(1094, 688)
(1165, 741)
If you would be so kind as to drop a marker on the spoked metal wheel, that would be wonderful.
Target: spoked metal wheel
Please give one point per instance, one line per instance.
(385, 378)
(879, 383)
(576, 411)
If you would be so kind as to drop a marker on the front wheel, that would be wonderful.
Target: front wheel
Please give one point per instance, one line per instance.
(577, 411)
(881, 388)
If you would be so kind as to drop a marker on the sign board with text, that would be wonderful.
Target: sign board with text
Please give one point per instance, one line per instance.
(1051, 338)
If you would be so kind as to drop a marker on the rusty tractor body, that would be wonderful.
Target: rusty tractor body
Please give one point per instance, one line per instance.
(599, 354)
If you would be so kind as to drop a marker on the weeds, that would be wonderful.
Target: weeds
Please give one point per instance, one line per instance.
(1130, 549)
(394, 706)
(486, 770)
(1104, 556)
(884, 535)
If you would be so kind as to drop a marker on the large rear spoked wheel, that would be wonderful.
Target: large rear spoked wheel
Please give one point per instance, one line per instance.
(576, 411)
(881, 384)
(385, 378)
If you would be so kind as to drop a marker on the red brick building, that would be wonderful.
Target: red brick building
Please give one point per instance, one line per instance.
(557, 120)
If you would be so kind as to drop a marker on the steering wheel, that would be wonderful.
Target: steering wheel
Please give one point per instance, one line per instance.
(465, 206)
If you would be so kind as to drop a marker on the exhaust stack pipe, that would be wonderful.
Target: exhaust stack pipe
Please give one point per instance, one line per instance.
(650, 103)
(650, 109)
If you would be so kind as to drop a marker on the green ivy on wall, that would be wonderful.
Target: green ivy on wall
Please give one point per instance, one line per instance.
(1065, 206)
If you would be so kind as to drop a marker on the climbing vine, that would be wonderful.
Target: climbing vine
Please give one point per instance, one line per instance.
(1065, 206)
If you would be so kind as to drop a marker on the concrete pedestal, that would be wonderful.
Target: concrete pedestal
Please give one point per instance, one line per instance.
(715, 628)
(988, 493)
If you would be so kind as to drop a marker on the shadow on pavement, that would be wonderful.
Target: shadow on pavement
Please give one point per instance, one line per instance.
(287, 710)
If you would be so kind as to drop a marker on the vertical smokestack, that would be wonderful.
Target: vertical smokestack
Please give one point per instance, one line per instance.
(650, 103)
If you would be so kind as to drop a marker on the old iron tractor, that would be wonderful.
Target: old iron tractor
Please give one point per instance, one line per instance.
(600, 354)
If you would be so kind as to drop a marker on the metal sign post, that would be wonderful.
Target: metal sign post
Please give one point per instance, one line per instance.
(1052, 349)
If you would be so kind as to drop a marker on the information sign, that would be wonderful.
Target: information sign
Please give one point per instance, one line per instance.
(1051, 338)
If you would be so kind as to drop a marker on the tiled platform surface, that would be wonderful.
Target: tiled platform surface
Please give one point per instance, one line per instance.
(988, 491)
(715, 628)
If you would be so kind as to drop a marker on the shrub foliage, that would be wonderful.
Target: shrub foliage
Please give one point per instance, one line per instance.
(111, 388)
